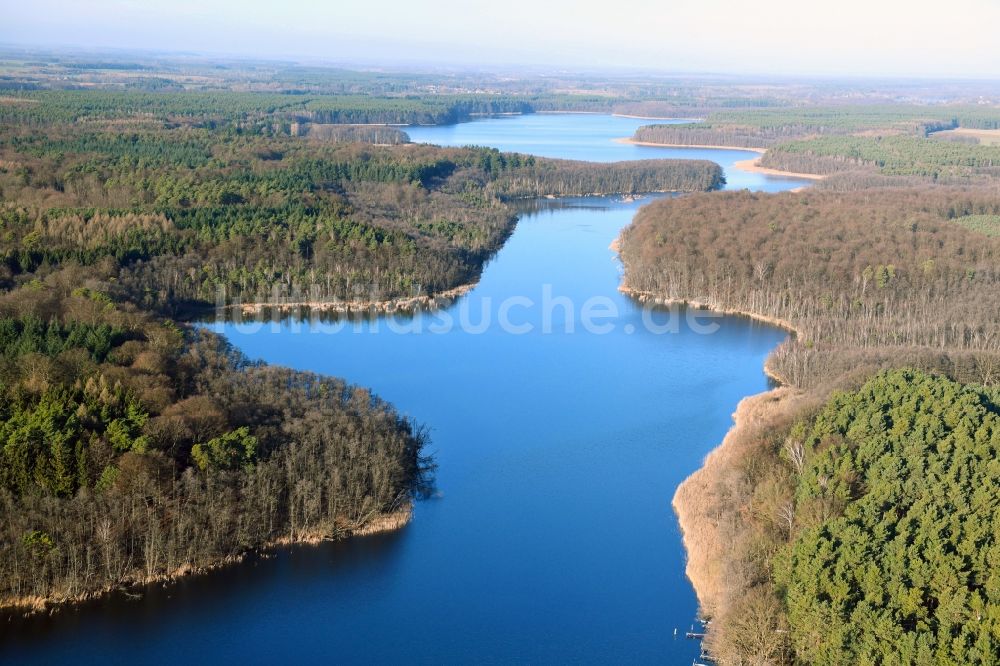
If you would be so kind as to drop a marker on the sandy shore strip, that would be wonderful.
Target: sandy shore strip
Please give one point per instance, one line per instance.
(632, 141)
(629, 115)
(700, 498)
(750, 166)
(753, 166)
(407, 304)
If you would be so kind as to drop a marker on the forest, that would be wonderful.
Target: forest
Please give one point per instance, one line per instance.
(844, 131)
(375, 134)
(890, 155)
(846, 518)
(132, 449)
(917, 583)
(701, 134)
(185, 214)
(234, 107)
(910, 119)
(856, 527)
(854, 274)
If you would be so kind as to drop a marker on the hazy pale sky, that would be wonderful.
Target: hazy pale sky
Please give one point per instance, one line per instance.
(855, 37)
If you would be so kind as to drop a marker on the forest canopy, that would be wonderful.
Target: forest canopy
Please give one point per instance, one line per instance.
(132, 449)
(894, 551)
(766, 127)
(186, 213)
(890, 155)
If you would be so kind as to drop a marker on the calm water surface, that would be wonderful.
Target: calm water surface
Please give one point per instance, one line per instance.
(589, 137)
(552, 538)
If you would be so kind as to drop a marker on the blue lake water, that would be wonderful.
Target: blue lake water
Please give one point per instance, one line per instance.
(551, 538)
(591, 137)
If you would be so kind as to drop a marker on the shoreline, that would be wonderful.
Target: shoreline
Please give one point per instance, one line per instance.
(406, 304)
(651, 144)
(656, 299)
(636, 117)
(380, 523)
(749, 166)
(753, 166)
(698, 498)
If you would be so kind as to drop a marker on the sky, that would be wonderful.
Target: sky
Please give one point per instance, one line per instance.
(920, 38)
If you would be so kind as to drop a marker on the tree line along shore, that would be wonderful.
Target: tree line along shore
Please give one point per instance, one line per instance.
(134, 447)
(852, 146)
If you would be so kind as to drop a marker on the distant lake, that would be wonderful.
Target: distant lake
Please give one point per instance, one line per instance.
(591, 137)
(552, 538)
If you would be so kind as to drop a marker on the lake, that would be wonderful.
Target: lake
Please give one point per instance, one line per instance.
(591, 137)
(563, 416)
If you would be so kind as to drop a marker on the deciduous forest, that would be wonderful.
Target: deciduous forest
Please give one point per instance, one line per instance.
(854, 274)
